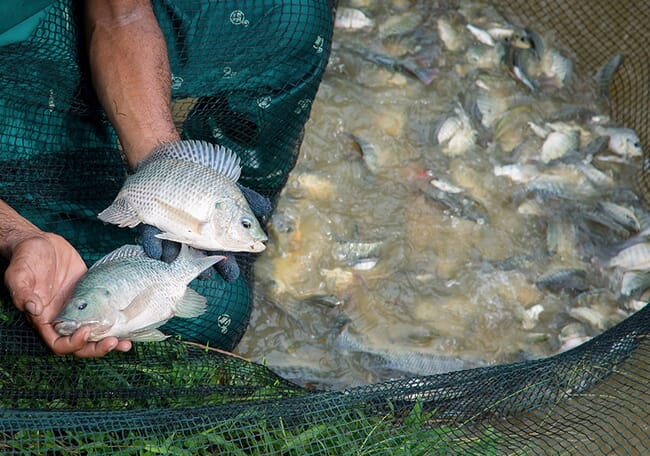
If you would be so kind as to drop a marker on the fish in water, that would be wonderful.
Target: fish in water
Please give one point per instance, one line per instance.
(411, 66)
(392, 363)
(189, 191)
(352, 19)
(622, 141)
(128, 295)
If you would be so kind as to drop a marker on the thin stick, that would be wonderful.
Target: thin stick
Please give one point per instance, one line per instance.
(223, 352)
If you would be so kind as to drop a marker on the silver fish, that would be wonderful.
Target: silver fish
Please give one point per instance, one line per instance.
(606, 73)
(622, 141)
(390, 362)
(633, 258)
(352, 19)
(459, 204)
(572, 280)
(410, 66)
(128, 295)
(188, 190)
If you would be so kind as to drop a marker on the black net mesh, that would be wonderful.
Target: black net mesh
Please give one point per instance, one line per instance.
(252, 92)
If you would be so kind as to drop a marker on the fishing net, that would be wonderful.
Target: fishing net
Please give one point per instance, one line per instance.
(244, 75)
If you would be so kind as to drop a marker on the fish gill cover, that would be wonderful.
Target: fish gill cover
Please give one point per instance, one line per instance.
(177, 397)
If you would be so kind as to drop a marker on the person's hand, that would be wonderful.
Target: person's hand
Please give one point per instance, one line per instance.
(42, 273)
(167, 251)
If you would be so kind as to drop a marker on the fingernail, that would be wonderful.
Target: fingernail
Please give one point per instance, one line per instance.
(30, 307)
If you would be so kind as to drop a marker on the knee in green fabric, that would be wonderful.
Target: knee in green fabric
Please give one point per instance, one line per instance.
(225, 320)
(258, 101)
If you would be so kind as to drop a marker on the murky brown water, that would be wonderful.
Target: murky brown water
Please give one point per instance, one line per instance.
(392, 252)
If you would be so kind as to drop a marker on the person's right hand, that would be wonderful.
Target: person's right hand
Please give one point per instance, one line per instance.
(43, 270)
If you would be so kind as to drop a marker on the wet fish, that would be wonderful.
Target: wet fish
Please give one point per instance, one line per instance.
(634, 283)
(633, 258)
(459, 204)
(402, 361)
(409, 66)
(606, 73)
(482, 36)
(354, 251)
(513, 60)
(400, 24)
(189, 191)
(352, 19)
(572, 280)
(455, 132)
(622, 141)
(128, 295)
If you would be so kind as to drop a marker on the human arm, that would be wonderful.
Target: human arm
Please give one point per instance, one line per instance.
(130, 73)
(43, 269)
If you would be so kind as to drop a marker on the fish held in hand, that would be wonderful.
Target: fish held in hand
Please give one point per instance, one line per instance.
(128, 295)
(189, 191)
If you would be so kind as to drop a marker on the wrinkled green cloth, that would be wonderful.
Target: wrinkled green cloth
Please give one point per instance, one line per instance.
(18, 19)
(244, 75)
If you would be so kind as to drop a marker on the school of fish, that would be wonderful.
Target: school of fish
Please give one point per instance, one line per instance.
(462, 194)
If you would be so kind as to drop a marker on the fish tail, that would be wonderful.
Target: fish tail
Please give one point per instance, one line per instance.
(191, 262)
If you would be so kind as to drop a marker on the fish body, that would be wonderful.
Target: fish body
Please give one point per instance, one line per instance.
(189, 191)
(352, 19)
(128, 295)
(622, 141)
(633, 258)
(388, 361)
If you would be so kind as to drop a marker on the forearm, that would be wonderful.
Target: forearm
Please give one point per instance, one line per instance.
(13, 229)
(130, 73)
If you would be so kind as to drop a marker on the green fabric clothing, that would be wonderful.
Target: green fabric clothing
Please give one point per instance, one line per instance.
(19, 19)
(244, 75)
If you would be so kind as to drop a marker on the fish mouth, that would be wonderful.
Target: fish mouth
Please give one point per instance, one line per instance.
(258, 246)
(66, 327)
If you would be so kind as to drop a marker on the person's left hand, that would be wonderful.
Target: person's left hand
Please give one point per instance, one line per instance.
(228, 269)
(42, 273)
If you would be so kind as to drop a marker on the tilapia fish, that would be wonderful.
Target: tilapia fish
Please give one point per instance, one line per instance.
(189, 191)
(128, 295)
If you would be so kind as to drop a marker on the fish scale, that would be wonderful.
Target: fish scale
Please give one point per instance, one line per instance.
(128, 295)
(188, 190)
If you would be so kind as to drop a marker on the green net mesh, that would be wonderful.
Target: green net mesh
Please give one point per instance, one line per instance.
(244, 74)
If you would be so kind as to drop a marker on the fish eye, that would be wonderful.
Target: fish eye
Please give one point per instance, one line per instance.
(82, 306)
(246, 223)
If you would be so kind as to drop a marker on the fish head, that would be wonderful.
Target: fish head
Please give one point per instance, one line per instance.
(86, 308)
(633, 146)
(237, 227)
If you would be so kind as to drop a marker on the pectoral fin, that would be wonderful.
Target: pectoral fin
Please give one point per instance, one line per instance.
(140, 304)
(191, 223)
(149, 335)
(191, 305)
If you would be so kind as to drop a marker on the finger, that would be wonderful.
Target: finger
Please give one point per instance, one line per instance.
(124, 346)
(78, 345)
(20, 282)
(63, 345)
(150, 243)
(170, 251)
(103, 347)
(228, 268)
(260, 205)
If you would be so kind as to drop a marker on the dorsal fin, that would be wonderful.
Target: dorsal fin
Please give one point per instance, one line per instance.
(125, 251)
(219, 158)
